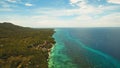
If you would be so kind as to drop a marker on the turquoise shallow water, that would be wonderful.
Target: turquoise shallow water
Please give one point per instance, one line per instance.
(70, 52)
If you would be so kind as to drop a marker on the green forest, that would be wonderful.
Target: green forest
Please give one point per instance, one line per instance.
(24, 47)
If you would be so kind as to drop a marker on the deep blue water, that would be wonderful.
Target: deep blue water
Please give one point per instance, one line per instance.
(86, 48)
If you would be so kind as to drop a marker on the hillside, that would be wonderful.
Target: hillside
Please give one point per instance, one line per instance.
(23, 47)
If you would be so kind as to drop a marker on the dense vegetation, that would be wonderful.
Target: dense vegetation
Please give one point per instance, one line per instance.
(23, 47)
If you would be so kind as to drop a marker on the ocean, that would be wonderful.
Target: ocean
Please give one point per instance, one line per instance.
(86, 48)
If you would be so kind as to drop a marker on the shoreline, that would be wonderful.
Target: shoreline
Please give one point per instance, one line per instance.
(51, 49)
(49, 52)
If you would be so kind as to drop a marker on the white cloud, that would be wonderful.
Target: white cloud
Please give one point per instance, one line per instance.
(4, 4)
(111, 20)
(75, 1)
(79, 3)
(78, 11)
(28, 4)
(12, 1)
(34, 21)
(114, 1)
(5, 9)
(46, 17)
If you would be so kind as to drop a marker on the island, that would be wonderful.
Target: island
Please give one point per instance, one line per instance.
(24, 47)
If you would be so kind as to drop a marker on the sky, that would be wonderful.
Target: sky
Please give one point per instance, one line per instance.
(61, 13)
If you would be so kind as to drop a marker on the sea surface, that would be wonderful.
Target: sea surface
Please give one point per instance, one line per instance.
(86, 48)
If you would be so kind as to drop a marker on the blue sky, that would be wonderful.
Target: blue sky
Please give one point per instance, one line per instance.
(61, 13)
